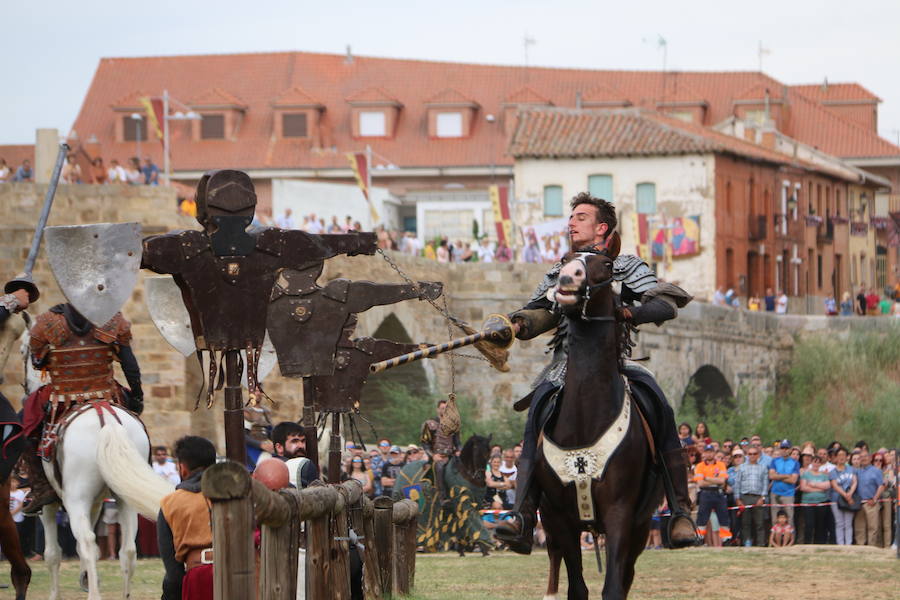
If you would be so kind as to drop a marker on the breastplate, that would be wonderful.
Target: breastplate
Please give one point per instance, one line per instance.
(82, 369)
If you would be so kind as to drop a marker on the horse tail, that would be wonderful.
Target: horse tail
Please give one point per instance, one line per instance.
(128, 474)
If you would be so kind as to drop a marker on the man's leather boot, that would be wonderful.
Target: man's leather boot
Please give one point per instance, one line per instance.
(682, 531)
(42, 493)
(518, 532)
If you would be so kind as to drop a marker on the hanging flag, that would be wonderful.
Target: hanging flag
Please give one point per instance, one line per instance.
(360, 167)
(500, 204)
(642, 236)
(154, 109)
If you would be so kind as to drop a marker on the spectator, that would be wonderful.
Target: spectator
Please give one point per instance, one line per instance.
(885, 306)
(701, 433)
(846, 305)
(718, 298)
(711, 477)
(843, 485)
(684, 435)
(814, 487)
(183, 525)
(781, 303)
(285, 221)
(359, 472)
(769, 300)
(443, 253)
(751, 482)
(289, 442)
(116, 173)
(71, 171)
(485, 254)
(188, 207)
(99, 174)
(467, 254)
(497, 485)
(335, 227)
(830, 306)
(164, 467)
(872, 303)
(133, 172)
(315, 226)
(503, 253)
(861, 302)
(782, 531)
(870, 484)
(784, 472)
(509, 470)
(24, 172)
(888, 496)
(532, 252)
(754, 304)
(5, 171)
(391, 470)
(16, 502)
(151, 172)
(429, 252)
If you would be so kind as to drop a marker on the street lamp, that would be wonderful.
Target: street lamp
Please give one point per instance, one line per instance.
(137, 123)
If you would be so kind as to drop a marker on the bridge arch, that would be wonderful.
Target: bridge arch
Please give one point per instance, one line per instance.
(709, 391)
(412, 376)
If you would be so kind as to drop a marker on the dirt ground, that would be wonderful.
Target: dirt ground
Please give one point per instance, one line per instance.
(798, 573)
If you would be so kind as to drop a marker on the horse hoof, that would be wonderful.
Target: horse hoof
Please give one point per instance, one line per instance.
(83, 582)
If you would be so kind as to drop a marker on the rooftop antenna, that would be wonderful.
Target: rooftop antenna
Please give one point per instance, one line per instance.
(349, 58)
(527, 40)
(760, 52)
(663, 45)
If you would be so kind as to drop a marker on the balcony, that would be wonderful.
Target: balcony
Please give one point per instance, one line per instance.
(825, 232)
(757, 227)
(787, 228)
(859, 228)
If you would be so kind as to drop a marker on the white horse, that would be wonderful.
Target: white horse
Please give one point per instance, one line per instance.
(98, 461)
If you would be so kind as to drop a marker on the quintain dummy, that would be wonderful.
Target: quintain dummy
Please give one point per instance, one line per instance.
(305, 320)
(226, 274)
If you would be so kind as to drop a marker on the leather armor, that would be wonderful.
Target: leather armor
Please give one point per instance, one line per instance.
(80, 366)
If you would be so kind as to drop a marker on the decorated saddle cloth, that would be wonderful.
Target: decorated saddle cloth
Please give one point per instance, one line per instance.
(443, 525)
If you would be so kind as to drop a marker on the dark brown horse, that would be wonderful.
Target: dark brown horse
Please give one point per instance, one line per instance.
(592, 401)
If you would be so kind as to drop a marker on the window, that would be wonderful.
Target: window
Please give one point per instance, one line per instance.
(600, 186)
(646, 198)
(293, 125)
(212, 127)
(682, 115)
(372, 124)
(134, 128)
(449, 124)
(757, 117)
(553, 201)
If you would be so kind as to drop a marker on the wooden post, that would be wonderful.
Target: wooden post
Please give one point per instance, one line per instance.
(384, 542)
(371, 574)
(279, 552)
(405, 514)
(309, 421)
(227, 486)
(235, 447)
(318, 544)
(335, 450)
(340, 547)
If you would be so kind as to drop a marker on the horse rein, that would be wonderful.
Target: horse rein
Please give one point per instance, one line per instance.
(590, 289)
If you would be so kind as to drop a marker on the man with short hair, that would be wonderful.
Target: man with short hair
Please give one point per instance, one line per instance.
(391, 470)
(867, 522)
(784, 472)
(289, 443)
(509, 470)
(24, 173)
(183, 527)
(150, 172)
(163, 466)
(751, 482)
(781, 306)
(711, 476)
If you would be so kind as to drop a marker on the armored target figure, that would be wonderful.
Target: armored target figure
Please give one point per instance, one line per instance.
(305, 320)
(226, 274)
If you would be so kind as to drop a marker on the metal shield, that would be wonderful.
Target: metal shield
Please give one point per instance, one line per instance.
(96, 266)
(163, 299)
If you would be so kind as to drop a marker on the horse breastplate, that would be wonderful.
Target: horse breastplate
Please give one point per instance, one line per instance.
(587, 463)
(82, 370)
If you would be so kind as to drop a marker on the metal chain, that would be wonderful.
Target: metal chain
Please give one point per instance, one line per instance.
(452, 364)
(450, 318)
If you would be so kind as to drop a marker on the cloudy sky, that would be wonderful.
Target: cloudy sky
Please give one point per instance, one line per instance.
(51, 48)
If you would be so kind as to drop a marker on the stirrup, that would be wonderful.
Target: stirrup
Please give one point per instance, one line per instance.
(694, 540)
(520, 541)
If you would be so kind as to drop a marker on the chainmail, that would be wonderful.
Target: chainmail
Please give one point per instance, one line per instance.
(9, 302)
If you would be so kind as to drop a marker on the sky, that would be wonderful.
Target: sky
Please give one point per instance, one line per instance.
(52, 48)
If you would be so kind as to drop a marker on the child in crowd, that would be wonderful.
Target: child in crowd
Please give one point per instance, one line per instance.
(782, 531)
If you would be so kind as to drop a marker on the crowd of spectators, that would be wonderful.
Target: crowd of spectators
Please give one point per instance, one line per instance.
(868, 302)
(753, 494)
(131, 173)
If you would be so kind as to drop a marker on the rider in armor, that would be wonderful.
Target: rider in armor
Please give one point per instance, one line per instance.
(643, 300)
(79, 359)
(440, 440)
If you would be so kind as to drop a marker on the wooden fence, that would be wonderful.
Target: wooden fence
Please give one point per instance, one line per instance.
(386, 532)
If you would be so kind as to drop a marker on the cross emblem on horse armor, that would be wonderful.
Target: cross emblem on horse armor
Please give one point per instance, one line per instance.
(581, 464)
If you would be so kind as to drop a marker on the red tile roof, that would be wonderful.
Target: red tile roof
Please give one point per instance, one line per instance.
(259, 79)
(605, 95)
(132, 100)
(14, 154)
(450, 97)
(217, 97)
(836, 92)
(296, 96)
(572, 133)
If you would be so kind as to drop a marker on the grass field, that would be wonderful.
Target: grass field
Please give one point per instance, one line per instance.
(799, 573)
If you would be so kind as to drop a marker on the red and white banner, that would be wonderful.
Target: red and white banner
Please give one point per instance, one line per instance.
(360, 166)
(500, 204)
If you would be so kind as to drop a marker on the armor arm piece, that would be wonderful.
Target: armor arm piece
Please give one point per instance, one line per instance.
(350, 244)
(660, 304)
(42, 336)
(163, 253)
(634, 274)
(131, 370)
(533, 322)
(363, 295)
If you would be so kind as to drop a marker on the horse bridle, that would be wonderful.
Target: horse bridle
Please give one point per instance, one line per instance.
(590, 289)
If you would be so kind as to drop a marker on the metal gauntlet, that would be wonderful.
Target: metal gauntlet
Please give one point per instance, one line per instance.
(534, 322)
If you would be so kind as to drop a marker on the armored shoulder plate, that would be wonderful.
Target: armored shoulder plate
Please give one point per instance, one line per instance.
(337, 290)
(547, 282)
(634, 273)
(270, 241)
(116, 330)
(192, 243)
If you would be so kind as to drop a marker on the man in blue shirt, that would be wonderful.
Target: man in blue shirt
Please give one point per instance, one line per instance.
(784, 472)
(151, 172)
(24, 172)
(866, 530)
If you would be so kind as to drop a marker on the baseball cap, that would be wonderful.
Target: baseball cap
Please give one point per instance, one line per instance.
(395, 449)
(785, 443)
(710, 447)
(412, 448)
(737, 452)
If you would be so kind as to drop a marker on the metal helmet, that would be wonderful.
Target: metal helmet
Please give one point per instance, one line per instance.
(225, 193)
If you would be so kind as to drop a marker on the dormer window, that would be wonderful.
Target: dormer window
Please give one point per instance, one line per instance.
(373, 113)
(520, 99)
(129, 128)
(132, 128)
(294, 125)
(372, 123)
(212, 127)
(449, 124)
(222, 115)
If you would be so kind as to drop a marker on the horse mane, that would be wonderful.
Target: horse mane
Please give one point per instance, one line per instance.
(469, 457)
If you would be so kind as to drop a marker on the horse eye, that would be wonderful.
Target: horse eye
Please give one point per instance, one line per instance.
(579, 273)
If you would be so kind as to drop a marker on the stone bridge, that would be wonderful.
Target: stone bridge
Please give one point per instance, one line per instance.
(715, 352)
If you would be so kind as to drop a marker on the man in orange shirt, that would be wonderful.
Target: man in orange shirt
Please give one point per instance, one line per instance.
(710, 476)
(183, 528)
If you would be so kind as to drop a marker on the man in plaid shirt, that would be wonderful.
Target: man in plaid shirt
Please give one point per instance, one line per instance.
(751, 482)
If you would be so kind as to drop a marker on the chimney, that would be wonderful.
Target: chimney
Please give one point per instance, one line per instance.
(348, 60)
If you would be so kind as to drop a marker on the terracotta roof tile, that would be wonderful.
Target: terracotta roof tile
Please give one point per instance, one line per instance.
(450, 96)
(758, 93)
(132, 100)
(296, 96)
(217, 97)
(258, 79)
(604, 95)
(836, 92)
(677, 91)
